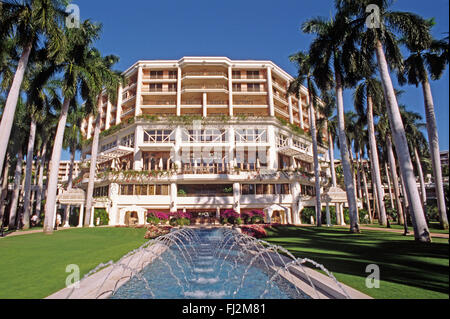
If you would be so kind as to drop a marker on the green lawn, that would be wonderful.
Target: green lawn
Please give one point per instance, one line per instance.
(433, 227)
(407, 269)
(34, 265)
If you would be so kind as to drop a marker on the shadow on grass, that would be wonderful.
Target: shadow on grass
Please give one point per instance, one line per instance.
(401, 259)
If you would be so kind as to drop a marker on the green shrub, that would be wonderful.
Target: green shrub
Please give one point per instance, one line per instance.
(238, 221)
(153, 220)
(257, 220)
(224, 221)
(306, 214)
(102, 215)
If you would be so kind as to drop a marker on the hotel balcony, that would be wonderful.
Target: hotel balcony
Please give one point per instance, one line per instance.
(158, 91)
(205, 75)
(204, 88)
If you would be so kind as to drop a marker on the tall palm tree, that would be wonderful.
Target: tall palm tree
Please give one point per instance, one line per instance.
(305, 76)
(72, 141)
(27, 21)
(368, 95)
(426, 59)
(416, 142)
(76, 73)
(383, 42)
(105, 81)
(327, 54)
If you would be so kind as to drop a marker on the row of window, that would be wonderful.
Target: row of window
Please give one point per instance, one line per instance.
(265, 189)
(101, 191)
(144, 190)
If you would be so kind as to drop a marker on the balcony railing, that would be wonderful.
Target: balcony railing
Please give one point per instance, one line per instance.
(159, 90)
(204, 87)
(205, 74)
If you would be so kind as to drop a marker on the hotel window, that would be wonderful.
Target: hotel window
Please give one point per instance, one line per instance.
(253, 87)
(128, 141)
(156, 74)
(173, 74)
(155, 87)
(172, 87)
(108, 146)
(236, 74)
(251, 135)
(144, 190)
(162, 190)
(101, 191)
(159, 136)
(283, 189)
(308, 190)
(252, 74)
(237, 87)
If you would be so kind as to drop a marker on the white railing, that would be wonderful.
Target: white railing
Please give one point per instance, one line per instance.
(251, 135)
(159, 136)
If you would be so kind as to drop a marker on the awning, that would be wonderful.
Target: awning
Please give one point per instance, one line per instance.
(114, 153)
(75, 196)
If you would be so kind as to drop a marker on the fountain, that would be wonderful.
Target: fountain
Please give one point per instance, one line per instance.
(208, 263)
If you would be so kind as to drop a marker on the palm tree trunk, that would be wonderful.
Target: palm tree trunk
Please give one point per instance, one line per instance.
(40, 187)
(421, 232)
(358, 176)
(407, 209)
(423, 190)
(389, 184)
(4, 191)
(15, 195)
(70, 182)
(312, 119)
(352, 163)
(395, 182)
(433, 140)
(374, 161)
(366, 190)
(93, 167)
(52, 179)
(348, 180)
(333, 169)
(11, 102)
(28, 175)
(333, 176)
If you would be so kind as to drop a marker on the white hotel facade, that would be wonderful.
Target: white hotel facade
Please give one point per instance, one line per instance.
(204, 134)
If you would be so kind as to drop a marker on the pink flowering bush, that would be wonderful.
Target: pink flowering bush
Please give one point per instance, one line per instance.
(253, 217)
(257, 231)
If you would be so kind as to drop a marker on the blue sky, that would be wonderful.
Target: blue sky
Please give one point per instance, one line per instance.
(270, 30)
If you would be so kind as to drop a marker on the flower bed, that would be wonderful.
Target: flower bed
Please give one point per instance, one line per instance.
(257, 231)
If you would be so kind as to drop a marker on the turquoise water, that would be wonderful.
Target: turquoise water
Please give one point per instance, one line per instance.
(207, 269)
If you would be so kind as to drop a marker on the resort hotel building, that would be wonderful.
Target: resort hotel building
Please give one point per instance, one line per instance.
(203, 135)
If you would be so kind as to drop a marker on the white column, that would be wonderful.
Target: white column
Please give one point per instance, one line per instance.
(328, 215)
(291, 112)
(91, 224)
(176, 150)
(119, 104)
(81, 217)
(138, 137)
(89, 128)
(230, 90)
(173, 197)
(108, 115)
(138, 111)
(270, 92)
(300, 111)
(205, 105)
(237, 197)
(272, 162)
(66, 222)
(231, 149)
(179, 92)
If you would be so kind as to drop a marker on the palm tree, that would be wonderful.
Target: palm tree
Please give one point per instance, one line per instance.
(428, 55)
(326, 53)
(383, 43)
(76, 73)
(27, 22)
(72, 141)
(416, 142)
(369, 93)
(305, 75)
(38, 105)
(105, 81)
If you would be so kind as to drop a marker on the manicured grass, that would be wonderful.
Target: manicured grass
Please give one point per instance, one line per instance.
(34, 265)
(433, 227)
(407, 269)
